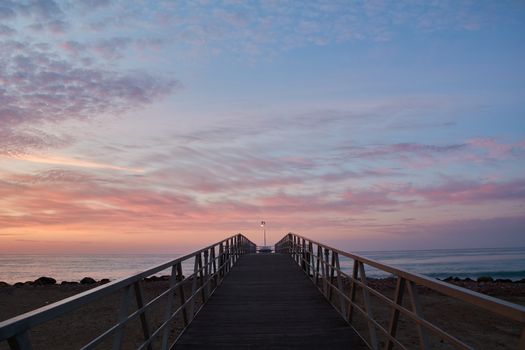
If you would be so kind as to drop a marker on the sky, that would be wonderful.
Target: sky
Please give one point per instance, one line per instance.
(162, 126)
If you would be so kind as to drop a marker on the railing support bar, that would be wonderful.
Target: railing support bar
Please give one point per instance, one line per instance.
(20, 342)
(332, 276)
(139, 297)
(182, 297)
(318, 267)
(368, 308)
(202, 277)
(169, 307)
(342, 301)
(191, 306)
(398, 299)
(416, 307)
(123, 312)
(352, 292)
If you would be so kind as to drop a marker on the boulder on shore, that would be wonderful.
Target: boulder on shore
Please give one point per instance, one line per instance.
(66, 283)
(44, 281)
(503, 280)
(485, 279)
(4, 284)
(452, 279)
(87, 280)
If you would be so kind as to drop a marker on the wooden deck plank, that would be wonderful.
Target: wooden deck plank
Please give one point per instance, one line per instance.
(268, 302)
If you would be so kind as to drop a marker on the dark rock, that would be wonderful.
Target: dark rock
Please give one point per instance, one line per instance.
(87, 280)
(44, 281)
(449, 279)
(4, 284)
(104, 281)
(468, 279)
(28, 283)
(157, 278)
(67, 283)
(520, 281)
(18, 284)
(503, 280)
(485, 279)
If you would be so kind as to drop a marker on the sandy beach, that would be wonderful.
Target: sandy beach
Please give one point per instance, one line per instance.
(477, 327)
(474, 326)
(78, 328)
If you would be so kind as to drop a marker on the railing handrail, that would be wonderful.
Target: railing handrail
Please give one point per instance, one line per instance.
(502, 307)
(21, 323)
(301, 249)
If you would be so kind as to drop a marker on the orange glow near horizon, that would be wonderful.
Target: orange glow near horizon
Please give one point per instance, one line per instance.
(58, 160)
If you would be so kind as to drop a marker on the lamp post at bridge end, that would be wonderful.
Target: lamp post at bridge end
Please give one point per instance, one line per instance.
(264, 248)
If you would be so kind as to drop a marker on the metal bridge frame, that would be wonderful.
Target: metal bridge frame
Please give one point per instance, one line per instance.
(321, 263)
(211, 265)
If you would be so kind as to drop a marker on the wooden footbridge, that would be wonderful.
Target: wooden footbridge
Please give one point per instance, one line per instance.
(235, 298)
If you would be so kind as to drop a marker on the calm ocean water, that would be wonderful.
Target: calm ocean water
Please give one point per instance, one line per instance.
(495, 262)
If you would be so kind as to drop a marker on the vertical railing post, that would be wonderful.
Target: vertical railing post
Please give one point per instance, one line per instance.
(191, 306)
(394, 319)
(342, 302)
(326, 273)
(139, 297)
(237, 240)
(416, 307)
(332, 275)
(180, 278)
(221, 262)
(206, 273)
(231, 255)
(20, 341)
(226, 256)
(214, 267)
(306, 248)
(293, 248)
(368, 308)
(303, 254)
(202, 279)
(323, 270)
(123, 313)
(169, 308)
(311, 259)
(352, 291)
(319, 257)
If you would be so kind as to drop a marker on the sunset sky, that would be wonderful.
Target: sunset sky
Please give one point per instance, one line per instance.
(161, 126)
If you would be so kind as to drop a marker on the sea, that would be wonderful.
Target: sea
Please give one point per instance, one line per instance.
(504, 263)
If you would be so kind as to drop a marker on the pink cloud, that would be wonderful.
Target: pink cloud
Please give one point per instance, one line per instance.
(73, 47)
(399, 149)
(495, 149)
(40, 87)
(471, 192)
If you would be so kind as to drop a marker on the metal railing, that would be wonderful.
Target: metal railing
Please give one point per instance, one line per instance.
(322, 264)
(211, 265)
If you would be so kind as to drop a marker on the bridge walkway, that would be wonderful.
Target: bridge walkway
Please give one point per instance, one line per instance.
(268, 302)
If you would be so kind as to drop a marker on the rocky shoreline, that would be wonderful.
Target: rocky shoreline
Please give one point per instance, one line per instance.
(485, 284)
(482, 279)
(49, 281)
(42, 281)
(501, 288)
